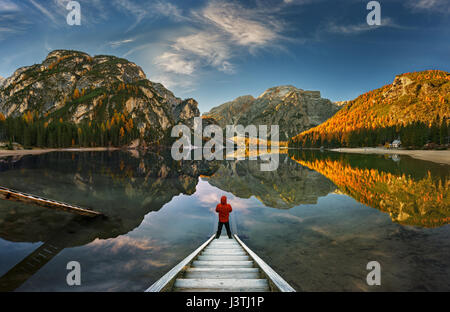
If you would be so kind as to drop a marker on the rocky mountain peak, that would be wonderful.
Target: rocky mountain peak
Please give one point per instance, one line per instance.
(287, 106)
(75, 86)
(341, 103)
(279, 91)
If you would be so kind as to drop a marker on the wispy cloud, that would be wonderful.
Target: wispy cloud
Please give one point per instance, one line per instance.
(175, 63)
(141, 11)
(119, 43)
(8, 6)
(442, 6)
(170, 81)
(136, 48)
(44, 11)
(12, 19)
(222, 30)
(247, 27)
(125, 244)
(136, 10)
(7, 30)
(352, 29)
(189, 53)
(168, 10)
(209, 47)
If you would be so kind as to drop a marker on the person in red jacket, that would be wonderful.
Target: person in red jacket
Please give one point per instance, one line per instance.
(224, 210)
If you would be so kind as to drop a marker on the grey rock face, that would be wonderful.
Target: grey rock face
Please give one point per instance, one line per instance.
(294, 110)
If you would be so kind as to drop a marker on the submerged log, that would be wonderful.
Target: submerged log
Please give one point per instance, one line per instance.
(8, 194)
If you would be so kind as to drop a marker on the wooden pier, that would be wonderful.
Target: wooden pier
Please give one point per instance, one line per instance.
(222, 264)
(17, 196)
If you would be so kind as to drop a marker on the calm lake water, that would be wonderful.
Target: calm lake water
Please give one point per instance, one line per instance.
(318, 220)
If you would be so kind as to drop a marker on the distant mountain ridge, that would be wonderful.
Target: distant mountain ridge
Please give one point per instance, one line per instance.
(75, 87)
(293, 109)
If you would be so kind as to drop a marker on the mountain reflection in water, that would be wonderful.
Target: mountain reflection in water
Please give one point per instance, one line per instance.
(410, 197)
(128, 186)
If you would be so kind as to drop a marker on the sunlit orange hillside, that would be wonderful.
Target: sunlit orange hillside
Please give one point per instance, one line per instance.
(414, 108)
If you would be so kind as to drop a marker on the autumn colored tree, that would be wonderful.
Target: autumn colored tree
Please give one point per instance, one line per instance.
(76, 93)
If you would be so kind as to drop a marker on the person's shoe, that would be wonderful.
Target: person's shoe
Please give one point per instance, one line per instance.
(230, 237)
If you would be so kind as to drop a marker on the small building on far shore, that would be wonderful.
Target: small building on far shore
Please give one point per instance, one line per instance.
(396, 144)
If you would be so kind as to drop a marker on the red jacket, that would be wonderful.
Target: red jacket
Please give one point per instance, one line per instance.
(223, 209)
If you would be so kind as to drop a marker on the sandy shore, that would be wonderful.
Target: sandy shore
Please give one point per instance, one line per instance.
(441, 157)
(6, 153)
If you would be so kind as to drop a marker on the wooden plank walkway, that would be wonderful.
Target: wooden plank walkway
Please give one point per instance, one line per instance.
(17, 196)
(222, 265)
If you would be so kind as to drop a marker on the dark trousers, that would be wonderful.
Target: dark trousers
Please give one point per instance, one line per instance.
(219, 229)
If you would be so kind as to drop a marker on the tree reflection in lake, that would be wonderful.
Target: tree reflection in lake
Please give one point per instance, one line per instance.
(411, 197)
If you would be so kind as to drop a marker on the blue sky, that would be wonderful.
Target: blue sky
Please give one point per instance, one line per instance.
(215, 51)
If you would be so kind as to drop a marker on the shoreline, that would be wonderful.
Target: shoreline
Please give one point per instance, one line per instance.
(440, 157)
(8, 153)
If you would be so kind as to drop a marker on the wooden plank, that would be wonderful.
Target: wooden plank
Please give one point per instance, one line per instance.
(222, 275)
(224, 241)
(229, 269)
(223, 253)
(228, 284)
(230, 248)
(223, 263)
(274, 277)
(17, 196)
(221, 258)
(225, 247)
(172, 274)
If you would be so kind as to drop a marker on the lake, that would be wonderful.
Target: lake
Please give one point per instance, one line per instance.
(317, 220)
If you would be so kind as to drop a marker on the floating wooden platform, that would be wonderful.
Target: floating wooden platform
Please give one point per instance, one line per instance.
(17, 196)
(222, 264)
